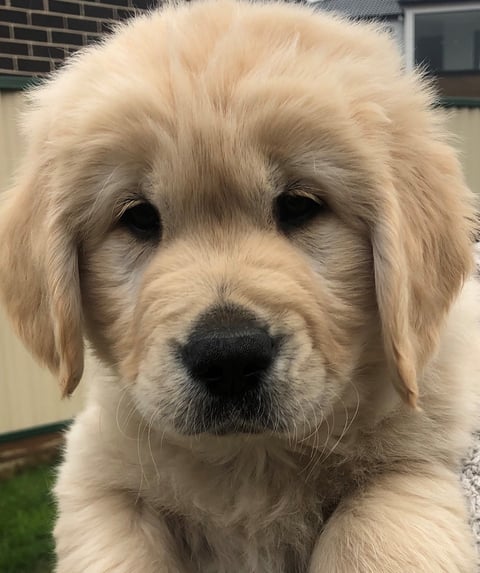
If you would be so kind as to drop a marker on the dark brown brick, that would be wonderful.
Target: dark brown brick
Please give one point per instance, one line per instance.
(31, 34)
(115, 2)
(13, 48)
(6, 63)
(67, 38)
(46, 51)
(83, 25)
(4, 31)
(29, 65)
(48, 21)
(145, 4)
(14, 16)
(64, 7)
(124, 14)
(98, 12)
(30, 4)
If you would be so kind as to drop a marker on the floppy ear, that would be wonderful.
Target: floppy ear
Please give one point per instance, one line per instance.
(39, 282)
(422, 250)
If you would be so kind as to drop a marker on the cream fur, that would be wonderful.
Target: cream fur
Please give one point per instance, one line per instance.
(210, 111)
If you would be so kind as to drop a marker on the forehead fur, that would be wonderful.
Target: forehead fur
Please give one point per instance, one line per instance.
(224, 65)
(215, 94)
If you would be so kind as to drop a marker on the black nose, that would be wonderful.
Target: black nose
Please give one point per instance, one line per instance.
(228, 352)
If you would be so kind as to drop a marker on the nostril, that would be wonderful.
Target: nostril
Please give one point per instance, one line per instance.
(250, 373)
(259, 364)
(209, 374)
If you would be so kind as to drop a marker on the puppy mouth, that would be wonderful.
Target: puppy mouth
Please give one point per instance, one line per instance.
(251, 413)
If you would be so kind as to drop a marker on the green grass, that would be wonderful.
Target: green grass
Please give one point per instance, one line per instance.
(26, 521)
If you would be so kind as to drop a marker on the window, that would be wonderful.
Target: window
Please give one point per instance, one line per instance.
(446, 42)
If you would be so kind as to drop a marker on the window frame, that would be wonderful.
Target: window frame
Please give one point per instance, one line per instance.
(409, 23)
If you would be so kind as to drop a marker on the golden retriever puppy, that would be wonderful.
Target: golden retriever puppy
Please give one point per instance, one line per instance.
(252, 215)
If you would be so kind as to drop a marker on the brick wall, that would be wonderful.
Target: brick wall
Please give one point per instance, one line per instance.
(37, 35)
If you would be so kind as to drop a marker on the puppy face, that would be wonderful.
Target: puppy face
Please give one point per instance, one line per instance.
(217, 290)
(242, 225)
(226, 312)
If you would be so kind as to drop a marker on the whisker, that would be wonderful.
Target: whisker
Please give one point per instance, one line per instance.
(149, 441)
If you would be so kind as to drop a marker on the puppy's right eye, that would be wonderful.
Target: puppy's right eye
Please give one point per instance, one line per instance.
(143, 221)
(294, 210)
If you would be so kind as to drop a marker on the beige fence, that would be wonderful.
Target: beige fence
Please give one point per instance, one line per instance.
(465, 124)
(28, 394)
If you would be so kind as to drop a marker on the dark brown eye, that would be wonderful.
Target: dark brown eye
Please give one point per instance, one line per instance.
(143, 221)
(296, 210)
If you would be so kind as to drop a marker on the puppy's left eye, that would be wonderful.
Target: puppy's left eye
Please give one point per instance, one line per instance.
(294, 210)
(143, 221)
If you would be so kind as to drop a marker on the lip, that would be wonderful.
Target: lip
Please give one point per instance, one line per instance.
(223, 425)
(253, 415)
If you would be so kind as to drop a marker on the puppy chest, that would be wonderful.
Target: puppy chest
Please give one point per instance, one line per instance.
(283, 545)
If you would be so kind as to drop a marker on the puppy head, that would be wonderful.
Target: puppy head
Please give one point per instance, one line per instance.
(263, 204)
